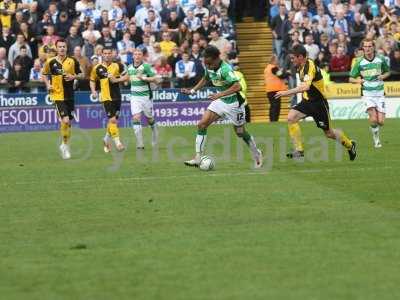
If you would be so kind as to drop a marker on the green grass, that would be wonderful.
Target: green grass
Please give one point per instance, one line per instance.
(113, 227)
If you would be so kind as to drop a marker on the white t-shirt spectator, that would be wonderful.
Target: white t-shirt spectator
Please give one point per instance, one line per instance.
(115, 13)
(312, 51)
(185, 68)
(192, 23)
(124, 45)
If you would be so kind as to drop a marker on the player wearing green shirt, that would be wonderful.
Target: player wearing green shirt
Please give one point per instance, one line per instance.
(140, 74)
(370, 71)
(226, 103)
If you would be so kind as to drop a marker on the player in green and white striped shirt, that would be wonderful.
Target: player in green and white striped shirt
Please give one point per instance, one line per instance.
(140, 74)
(370, 71)
(226, 103)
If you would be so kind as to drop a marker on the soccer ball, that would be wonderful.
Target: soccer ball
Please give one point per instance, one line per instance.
(207, 163)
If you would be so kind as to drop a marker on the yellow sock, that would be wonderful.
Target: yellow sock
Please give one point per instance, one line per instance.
(113, 130)
(346, 142)
(295, 134)
(65, 130)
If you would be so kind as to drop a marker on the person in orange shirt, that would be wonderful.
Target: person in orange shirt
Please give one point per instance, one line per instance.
(273, 84)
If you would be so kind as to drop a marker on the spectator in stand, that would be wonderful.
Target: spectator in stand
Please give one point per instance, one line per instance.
(32, 16)
(341, 24)
(166, 44)
(334, 7)
(384, 38)
(172, 6)
(18, 79)
(73, 40)
(4, 72)
(15, 49)
(90, 30)
(324, 43)
(142, 13)
(153, 21)
(156, 54)
(286, 33)
(103, 21)
(311, 47)
(8, 7)
(322, 59)
(277, 25)
(136, 33)
(63, 24)
(6, 39)
(115, 13)
(315, 32)
(53, 12)
(43, 23)
(86, 66)
(218, 41)
(90, 13)
(227, 30)
(173, 22)
(185, 71)
(303, 13)
(24, 60)
(3, 57)
(273, 84)
(16, 22)
(89, 45)
(205, 28)
(174, 58)
(321, 13)
(183, 33)
(192, 22)
(146, 46)
(196, 56)
(35, 75)
(50, 38)
(106, 39)
(343, 41)
(340, 62)
(357, 31)
(395, 65)
(200, 11)
(126, 48)
(187, 5)
(164, 71)
(230, 55)
(326, 28)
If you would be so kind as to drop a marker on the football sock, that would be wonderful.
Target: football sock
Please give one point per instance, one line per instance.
(249, 140)
(137, 127)
(107, 136)
(154, 128)
(345, 141)
(201, 138)
(375, 131)
(113, 130)
(295, 134)
(65, 130)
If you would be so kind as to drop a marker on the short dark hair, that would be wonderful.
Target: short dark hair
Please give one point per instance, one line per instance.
(107, 48)
(60, 41)
(211, 52)
(23, 47)
(299, 50)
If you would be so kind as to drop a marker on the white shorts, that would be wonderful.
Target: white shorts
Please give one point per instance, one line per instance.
(232, 112)
(377, 102)
(139, 105)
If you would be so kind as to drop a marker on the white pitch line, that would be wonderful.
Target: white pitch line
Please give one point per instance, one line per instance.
(202, 175)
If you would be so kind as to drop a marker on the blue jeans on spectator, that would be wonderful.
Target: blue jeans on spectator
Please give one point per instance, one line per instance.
(278, 50)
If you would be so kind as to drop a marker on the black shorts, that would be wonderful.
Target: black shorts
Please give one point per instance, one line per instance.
(112, 108)
(65, 108)
(319, 110)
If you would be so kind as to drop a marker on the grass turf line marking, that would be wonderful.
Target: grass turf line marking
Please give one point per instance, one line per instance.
(202, 174)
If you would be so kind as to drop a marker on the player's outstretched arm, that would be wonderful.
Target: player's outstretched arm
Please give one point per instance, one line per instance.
(198, 86)
(300, 89)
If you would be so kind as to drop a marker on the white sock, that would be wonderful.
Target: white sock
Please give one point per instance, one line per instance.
(107, 137)
(154, 136)
(200, 144)
(375, 133)
(253, 147)
(138, 133)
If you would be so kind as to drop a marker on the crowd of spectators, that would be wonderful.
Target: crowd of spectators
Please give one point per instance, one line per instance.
(332, 30)
(172, 34)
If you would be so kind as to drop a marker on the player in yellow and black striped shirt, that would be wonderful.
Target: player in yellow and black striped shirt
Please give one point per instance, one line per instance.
(107, 76)
(59, 73)
(314, 104)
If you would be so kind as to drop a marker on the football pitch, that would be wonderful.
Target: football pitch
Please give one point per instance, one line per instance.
(141, 225)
